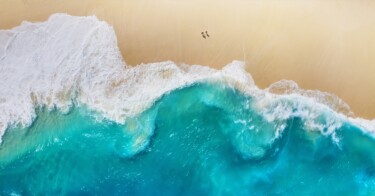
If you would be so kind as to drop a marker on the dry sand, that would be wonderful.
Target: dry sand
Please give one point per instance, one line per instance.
(325, 45)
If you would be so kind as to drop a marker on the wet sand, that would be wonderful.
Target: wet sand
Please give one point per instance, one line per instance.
(325, 45)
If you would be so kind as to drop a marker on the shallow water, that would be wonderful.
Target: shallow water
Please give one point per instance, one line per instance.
(207, 138)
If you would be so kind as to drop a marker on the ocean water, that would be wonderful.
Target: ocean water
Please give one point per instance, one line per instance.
(202, 139)
(76, 120)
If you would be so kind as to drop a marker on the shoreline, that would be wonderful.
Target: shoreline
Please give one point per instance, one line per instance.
(320, 45)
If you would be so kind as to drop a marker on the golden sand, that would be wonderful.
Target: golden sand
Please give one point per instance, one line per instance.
(325, 45)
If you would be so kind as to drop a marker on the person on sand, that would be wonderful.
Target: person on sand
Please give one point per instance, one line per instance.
(203, 35)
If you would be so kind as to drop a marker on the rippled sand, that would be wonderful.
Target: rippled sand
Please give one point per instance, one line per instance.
(325, 45)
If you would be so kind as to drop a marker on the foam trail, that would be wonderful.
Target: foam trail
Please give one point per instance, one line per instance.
(75, 60)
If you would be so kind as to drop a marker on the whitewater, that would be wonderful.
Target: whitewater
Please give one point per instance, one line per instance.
(75, 60)
(71, 62)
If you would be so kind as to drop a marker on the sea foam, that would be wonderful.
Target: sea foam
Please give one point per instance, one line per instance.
(70, 60)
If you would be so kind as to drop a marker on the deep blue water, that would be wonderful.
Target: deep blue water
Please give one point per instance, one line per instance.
(205, 139)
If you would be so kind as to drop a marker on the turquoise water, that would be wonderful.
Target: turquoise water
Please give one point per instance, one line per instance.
(205, 139)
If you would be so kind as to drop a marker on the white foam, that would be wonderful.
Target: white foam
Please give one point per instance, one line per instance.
(315, 116)
(328, 99)
(318, 103)
(76, 59)
(368, 125)
(69, 59)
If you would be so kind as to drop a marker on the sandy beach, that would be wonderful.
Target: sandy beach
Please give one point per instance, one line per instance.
(324, 45)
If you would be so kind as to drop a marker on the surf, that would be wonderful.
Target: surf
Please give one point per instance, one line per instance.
(216, 142)
(67, 98)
